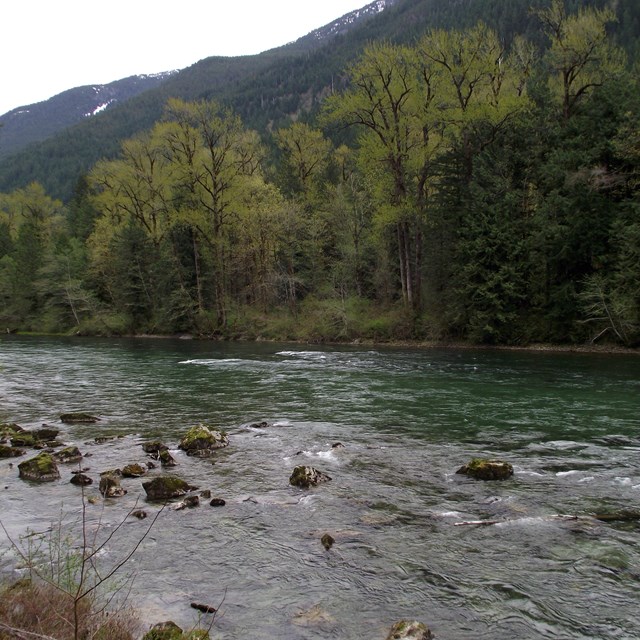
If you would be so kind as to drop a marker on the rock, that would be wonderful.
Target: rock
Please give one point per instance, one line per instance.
(68, 455)
(206, 494)
(46, 433)
(166, 459)
(110, 486)
(133, 471)
(191, 501)
(202, 441)
(23, 439)
(217, 502)
(484, 469)
(103, 439)
(305, 477)
(337, 445)
(75, 418)
(81, 480)
(154, 447)
(205, 608)
(141, 514)
(165, 487)
(259, 425)
(409, 630)
(112, 472)
(10, 452)
(42, 468)
(168, 630)
(327, 541)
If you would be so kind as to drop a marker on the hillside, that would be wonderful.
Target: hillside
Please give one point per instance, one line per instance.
(36, 122)
(267, 90)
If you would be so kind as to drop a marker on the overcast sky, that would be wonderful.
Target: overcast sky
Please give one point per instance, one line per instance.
(48, 46)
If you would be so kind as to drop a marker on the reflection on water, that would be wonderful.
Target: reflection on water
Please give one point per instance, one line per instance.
(407, 419)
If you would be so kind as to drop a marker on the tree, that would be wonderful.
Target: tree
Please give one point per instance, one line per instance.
(580, 57)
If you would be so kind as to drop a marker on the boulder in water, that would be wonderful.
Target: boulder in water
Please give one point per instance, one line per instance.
(409, 630)
(154, 447)
(217, 502)
(81, 480)
(203, 440)
(133, 471)
(165, 488)
(327, 541)
(45, 433)
(305, 477)
(484, 469)
(42, 468)
(166, 459)
(110, 486)
(68, 455)
(10, 452)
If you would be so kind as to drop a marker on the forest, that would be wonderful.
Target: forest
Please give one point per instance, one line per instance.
(454, 188)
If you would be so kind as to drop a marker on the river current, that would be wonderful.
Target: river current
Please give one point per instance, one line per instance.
(407, 419)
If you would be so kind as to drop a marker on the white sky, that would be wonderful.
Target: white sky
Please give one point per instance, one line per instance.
(48, 46)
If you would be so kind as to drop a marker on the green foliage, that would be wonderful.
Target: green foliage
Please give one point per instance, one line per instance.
(490, 194)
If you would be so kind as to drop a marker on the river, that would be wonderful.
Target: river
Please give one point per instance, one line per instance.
(408, 419)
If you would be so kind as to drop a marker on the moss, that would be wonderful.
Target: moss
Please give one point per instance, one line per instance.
(165, 487)
(203, 438)
(484, 469)
(10, 452)
(42, 468)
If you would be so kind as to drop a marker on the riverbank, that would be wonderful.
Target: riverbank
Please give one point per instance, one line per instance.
(370, 343)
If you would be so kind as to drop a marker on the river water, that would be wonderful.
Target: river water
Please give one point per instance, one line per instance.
(408, 419)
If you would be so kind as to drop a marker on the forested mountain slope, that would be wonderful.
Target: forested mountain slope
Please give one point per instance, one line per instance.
(269, 89)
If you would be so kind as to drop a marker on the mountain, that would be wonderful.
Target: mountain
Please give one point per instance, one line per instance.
(36, 122)
(271, 89)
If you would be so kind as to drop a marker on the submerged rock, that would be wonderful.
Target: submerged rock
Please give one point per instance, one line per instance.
(166, 487)
(259, 425)
(217, 502)
(305, 477)
(409, 630)
(327, 541)
(42, 468)
(484, 469)
(79, 417)
(141, 514)
(68, 455)
(202, 441)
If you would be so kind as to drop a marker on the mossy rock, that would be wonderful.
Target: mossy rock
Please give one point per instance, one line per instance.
(168, 630)
(484, 469)
(166, 487)
(305, 477)
(410, 630)
(68, 455)
(166, 459)
(154, 447)
(23, 439)
(10, 452)
(42, 468)
(202, 440)
(79, 417)
(133, 471)
(45, 433)
(110, 486)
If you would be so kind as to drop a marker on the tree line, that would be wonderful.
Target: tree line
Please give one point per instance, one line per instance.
(454, 189)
